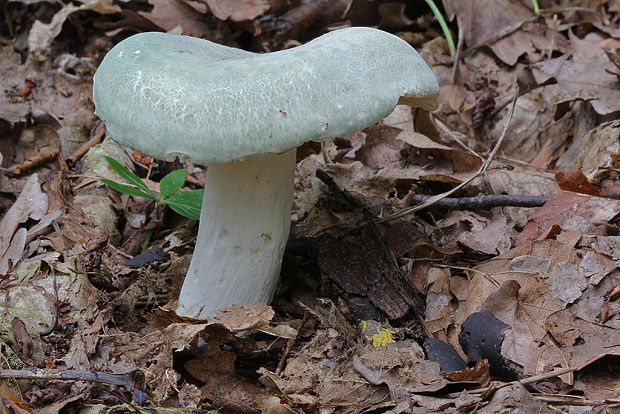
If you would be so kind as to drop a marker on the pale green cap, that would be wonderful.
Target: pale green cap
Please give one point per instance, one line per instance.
(165, 95)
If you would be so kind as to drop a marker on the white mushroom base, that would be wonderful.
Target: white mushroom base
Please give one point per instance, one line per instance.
(244, 226)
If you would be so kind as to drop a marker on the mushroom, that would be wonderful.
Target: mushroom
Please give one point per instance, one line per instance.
(244, 114)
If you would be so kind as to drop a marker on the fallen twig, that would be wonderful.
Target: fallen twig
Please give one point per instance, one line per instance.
(484, 201)
(456, 136)
(459, 49)
(125, 380)
(30, 164)
(524, 164)
(575, 400)
(501, 106)
(483, 168)
(83, 149)
(290, 344)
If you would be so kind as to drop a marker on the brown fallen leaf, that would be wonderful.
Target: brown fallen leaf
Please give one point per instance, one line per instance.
(571, 211)
(597, 379)
(406, 239)
(42, 35)
(309, 14)
(181, 335)
(583, 77)
(402, 369)
(12, 403)
(516, 397)
(14, 252)
(186, 15)
(484, 21)
(393, 16)
(232, 393)
(581, 340)
(189, 396)
(487, 234)
(238, 10)
(32, 203)
(460, 160)
(211, 364)
(239, 318)
(273, 404)
(575, 181)
(478, 373)
(535, 40)
(595, 153)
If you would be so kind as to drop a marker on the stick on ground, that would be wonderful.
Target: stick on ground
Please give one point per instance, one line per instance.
(69, 375)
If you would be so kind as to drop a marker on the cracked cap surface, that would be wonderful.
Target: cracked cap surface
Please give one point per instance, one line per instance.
(166, 95)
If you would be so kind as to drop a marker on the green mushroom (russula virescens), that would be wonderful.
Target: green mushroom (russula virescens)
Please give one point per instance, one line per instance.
(243, 114)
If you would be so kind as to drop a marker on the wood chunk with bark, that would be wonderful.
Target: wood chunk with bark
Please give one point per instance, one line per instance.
(361, 267)
(361, 264)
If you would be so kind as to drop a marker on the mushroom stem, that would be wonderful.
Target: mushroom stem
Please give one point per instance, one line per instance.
(244, 226)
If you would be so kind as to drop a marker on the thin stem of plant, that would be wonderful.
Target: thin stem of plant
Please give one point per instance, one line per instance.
(444, 26)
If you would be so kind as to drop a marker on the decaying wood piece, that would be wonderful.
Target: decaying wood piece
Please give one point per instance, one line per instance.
(361, 264)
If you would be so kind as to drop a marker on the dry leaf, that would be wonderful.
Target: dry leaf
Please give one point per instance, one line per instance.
(238, 10)
(488, 235)
(181, 335)
(484, 21)
(31, 203)
(571, 211)
(585, 77)
(42, 35)
(170, 14)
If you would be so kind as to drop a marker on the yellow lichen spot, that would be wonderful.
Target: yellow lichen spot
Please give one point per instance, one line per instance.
(381, 338)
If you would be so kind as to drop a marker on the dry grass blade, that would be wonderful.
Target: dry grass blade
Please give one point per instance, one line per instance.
(526, 381)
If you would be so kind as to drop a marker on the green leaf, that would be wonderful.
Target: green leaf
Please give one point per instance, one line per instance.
(125, 189)
(186, 203)
(171, 183)
(130, 177)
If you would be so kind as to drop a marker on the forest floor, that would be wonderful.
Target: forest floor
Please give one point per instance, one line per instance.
(506, 301)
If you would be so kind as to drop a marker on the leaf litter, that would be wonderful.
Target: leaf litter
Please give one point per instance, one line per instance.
(355, 304)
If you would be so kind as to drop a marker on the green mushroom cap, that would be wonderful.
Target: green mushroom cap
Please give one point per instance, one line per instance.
(166, 95)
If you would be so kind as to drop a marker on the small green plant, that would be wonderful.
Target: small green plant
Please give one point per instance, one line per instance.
(443, 25)
(186, 203)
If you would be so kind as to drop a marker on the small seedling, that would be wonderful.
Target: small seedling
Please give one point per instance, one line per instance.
(186, 203)
(443, 25)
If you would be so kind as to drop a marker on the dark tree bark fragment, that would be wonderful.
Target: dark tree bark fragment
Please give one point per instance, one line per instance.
(361, 264)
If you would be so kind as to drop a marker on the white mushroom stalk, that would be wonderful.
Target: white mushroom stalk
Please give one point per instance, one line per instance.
(166, 95)
(244, 226)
